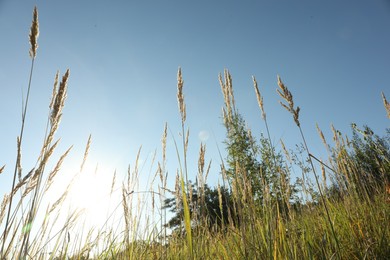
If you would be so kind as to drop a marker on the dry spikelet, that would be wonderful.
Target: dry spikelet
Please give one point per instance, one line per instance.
(321, 134)
(164, 142)
(323, 174)
(229, 81)
(4, 203)
(336, 138)
(125, 213)
(228, 95)
(22, 182)
(113, 182)
(2, 168)
(60, 100)
(287, 96)
(19, 157)
(386, 104)
(207, 171)
(180, 95)
(285, 151)
(54, 94)
(59, 201)
(186, 140)
(177, 190)
(259, 98)
(202, 152)
(34, 33)
(86, 153)
(56, 169)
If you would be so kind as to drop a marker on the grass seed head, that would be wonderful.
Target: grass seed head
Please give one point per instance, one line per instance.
(386, 104)
(259, 98)
(59, 101)
(34, 33)
(288, 97)
(180, 95)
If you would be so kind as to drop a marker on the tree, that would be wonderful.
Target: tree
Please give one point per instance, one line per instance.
(242, 151)
(213, 214)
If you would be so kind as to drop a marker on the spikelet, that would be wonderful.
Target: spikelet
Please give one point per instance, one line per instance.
(54, 94)
(113, 183)
(228, 95)
(321, 134)
(202, 152)
(4, 203)
(177, 191)
(287, 96)
(386, 104)
(180, 96)
(2, 168)
(34, 33)
(56, 169)
(19, 158)
(59, 101)
(259, 98)
(164, 142)
(323, 174)
(285, 151)
(86, 153)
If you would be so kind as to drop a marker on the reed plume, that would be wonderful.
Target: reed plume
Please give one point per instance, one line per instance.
(180, 96)
(386, 104)
(259, 98)
(34, 33)
(288, 97)
(59, 100)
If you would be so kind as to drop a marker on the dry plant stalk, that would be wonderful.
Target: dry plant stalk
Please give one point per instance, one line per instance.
(287, 96)
(2, 168)
(386, 104)
(34, 33)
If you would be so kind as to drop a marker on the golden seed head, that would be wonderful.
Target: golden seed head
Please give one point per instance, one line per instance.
(321, 134)
(228, 95)
(55, 86)
(164, 142)
(259, 98)
(59, 101)
(180, 96)
(287, 96)
(34, 33)
(386, 104)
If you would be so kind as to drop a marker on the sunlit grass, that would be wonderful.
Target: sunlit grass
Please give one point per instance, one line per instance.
(95, 214)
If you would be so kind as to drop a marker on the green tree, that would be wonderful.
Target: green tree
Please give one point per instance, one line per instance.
(214, 214)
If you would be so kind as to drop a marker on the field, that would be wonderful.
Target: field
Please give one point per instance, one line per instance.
(339, 208)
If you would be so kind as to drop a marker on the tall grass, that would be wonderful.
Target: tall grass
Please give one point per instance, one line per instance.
(345, 215)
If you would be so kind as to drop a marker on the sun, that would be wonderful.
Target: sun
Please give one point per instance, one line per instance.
(91, 191)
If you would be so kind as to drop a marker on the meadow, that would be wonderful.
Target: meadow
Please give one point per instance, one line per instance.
(339, 208)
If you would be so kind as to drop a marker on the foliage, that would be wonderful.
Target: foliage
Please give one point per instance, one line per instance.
(215, 217)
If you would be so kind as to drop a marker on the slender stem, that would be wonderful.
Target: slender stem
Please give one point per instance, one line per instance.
(321, 194)
(17, 160)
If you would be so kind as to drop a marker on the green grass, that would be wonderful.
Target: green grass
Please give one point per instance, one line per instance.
(350, 221)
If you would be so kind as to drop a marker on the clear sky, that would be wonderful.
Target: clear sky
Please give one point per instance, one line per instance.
(334, 56)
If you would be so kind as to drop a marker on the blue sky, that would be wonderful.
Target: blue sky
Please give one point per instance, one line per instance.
(123, 55)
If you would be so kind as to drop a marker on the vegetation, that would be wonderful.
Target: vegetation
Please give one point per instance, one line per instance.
(256, 213)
